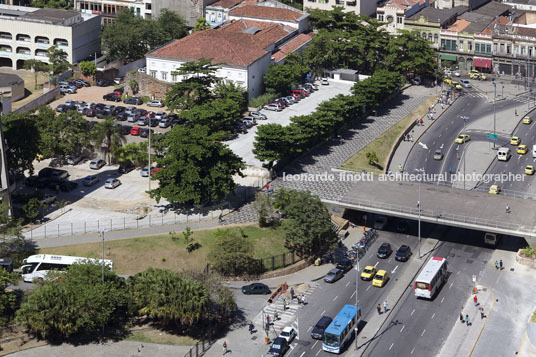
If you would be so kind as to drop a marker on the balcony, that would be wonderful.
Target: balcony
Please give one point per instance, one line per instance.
(41, 54)
(351, 3)
(61, 43)
(42, 42)
(5, 36)
(23, 38)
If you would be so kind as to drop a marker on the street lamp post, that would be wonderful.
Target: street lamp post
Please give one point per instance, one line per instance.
(463, 153)
(102, 231)
(421, 171)
(150, 172)
(494, 98)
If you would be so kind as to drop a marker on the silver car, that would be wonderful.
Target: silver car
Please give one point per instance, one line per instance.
(465, 83)
(438, 155)
(112, 183)
(97, 164)
(273, 107)
(145, 171)
(258, 115)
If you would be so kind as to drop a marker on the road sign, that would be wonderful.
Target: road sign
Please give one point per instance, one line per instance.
(491, 136)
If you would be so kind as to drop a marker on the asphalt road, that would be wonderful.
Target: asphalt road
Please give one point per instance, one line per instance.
(419, 327)
(330, 298)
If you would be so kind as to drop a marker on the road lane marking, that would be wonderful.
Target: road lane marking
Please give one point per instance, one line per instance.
(412, 312)
(367, 288)
(394, 270)
(442, 300)
(302, 354)
(402, 329)
(322, 314)
(335, 298)
(310, 327)
(375, 265)
(318, 352)
(313, 345)
(348, 283)
(423, 331)
(352, 295)
(450, 286)
(391, 346)
(433, 315)
(413, 350)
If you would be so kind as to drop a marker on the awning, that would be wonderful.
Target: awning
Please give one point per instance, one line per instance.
(448, 57)
(482, 62)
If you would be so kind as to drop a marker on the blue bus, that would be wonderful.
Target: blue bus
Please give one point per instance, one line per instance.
(341, 330)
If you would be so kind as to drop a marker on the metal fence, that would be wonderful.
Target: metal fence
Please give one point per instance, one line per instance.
(278, 261)
(199, 349)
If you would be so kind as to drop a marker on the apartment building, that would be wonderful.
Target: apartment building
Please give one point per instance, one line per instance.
(394, 13)
(27, 33)
(360, 7)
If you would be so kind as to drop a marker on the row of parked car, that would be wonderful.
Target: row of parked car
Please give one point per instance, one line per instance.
(70, 87)
(296, 95)
(247, 122)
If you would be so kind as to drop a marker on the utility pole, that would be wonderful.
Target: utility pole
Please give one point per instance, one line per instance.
(421, 171)
(463, 153)
(150, 171)
(102, 231)
(494, 98)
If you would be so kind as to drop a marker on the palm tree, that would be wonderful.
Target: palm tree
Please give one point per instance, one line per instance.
(109, 136)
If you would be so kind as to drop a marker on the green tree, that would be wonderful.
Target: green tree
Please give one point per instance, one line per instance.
(271, 143)
(134, 152)
(196, 168)
(8, 297)
(53, 4)
(108, 136)
(133, 84)
(372, 158)
(232, 91)
(168, 298)
(217, 115)
(196, 86)
(76, 304)
(36, 66)
(200, 25)
(57, 59)
(232, 254)
(32, 208)
(172, 24)
(308, 228)
(408, 53)
(263, 206)
(88, 68)
(279, 78)
(22, 138)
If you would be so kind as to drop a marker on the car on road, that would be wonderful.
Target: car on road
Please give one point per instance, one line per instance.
(462, 138)
(380, 278)
(455, 85)
(438, 155)
(380, 222)
(324, 81)
(516, 140)
(384, 251)
(527, 119)
(403, 253)
(111, 183)
(112, 96)
(279, 347)
(333, 275)
(522, 149)
(465, 83)
(368, 272)
(256, 288)
(145, 171)
(447, 80)
(288, 333)
(456, 73)
(345, 264)
(90, 180)
(318, 329)
(273, 107)
(133, 100)
(155, 103)
(74, 159)
(494, 190)
(97, 164)
(529, 170)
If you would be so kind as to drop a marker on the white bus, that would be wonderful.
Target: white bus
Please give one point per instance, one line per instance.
(37, 266)
(431, 277)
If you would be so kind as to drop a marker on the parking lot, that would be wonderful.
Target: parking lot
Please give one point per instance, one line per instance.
(243, 144)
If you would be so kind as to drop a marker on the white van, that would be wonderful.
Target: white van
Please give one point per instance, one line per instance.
(533, 150)
(503, 154)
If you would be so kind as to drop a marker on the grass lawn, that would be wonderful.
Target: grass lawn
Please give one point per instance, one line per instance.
(134, 255)
(382, 144)
(158, 336)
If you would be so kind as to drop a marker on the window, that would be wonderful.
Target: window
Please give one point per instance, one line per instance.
(153, 74)
(488, 48)
(399, 19)
(477, 47)
(436, 37)
(494, 48)
(469, 46)
(442, 43)
(380, 17)
(174, 78)
(163, 75)
(148, 6)
(423, 35)
(522, 51)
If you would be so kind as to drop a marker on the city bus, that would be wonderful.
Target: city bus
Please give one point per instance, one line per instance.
(431, 277)
(341, 330)
(37, 266)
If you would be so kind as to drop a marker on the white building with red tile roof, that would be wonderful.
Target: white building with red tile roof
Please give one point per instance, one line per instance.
(272, 11)
(360, 7)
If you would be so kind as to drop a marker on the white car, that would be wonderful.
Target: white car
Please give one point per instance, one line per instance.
(112, 183)
(258, 115)
(288, 334)
(324, 82)
(273, 107)
(456, 73)
(465, 83)
(145, 171)
(96, 164)
(155, 103)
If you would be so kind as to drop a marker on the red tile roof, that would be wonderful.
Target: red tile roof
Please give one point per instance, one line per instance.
(268, 33)
(459, 25)
(291, 46)
(267, 12)
(226, 4)
(238, 50)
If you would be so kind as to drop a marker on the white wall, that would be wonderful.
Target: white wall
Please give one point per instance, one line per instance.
(256, 72)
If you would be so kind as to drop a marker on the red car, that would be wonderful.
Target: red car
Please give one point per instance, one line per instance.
(135, 131)
(150, 115)
(303, 93)
(156, 169)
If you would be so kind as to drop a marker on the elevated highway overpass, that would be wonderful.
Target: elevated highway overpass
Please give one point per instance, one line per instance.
(443, 205)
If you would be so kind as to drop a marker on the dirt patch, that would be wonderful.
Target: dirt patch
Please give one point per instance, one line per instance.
(157, 336)
(31, 92)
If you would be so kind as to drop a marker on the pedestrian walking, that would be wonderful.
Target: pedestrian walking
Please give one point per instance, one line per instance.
(400, 169)
(507, 209)
(467, 319)
(461, 317)
(421, 122)
(481, 313)
(417, 122)
(251, 328)
(385, 306)
(291, 293)
(497, 265)
(284, 304)
(364, 228)
(432, 116)
(475, 299)
(224, 347)
(501, 264)
(379, 308)
(515, 112)
(220, 218)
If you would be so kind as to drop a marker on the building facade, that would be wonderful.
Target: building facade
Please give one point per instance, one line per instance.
(394, 13)
(217, 13)
(108, 9)
(27, 33)
(360, 7)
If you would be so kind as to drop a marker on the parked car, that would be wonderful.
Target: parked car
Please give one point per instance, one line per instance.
(403, 253)
(161, 115)
(90, 180)
(135, 131)
(164, 123)
(59, 108)
(239, 128)
(324, 81)
(97, 164)
(100, 106)
(154, 122)
(126, 167)
(256, 288)
(145, 171)
(67, 186)
(122, 116)
(273, 107)
(109, 107)
(345, 265)
(288, 333)
(67, 90)
(118, 80)
(318, 330)
(384, 251)
(258, 115)
(133, 100)
(112, 96)
(118, 109)
(132, 118)
(125, 129)
(74, 159)
(150, 114)
(333, 275)
(119, 90)
(111, 183)
(144, 133)
(142, 69)
(155, 103)
(142, 112)
(142, 121)
(103, 83)
(48, 199)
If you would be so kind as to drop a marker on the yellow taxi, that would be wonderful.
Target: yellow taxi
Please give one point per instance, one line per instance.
(527, 119)
(516, 140)
(474, 74)
(462, 138)
(522, 149)
(529, 170)
(456, 85)
(447, 80)
(380, 278)
(494, 189)
(368, 272)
